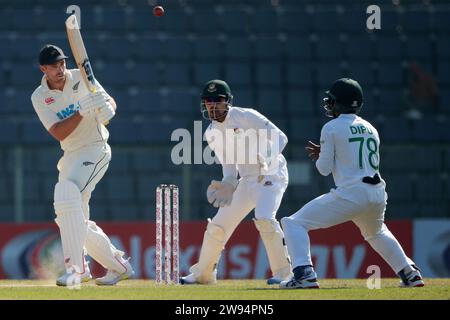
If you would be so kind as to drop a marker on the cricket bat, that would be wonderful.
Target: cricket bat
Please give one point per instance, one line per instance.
(80, 54)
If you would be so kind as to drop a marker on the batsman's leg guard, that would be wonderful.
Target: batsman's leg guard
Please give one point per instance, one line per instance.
(85, 197)
(273, 239)
(100, 248)
(213, 244)
(72, 225)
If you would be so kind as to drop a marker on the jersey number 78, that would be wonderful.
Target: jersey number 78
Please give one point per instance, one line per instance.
(372, 146)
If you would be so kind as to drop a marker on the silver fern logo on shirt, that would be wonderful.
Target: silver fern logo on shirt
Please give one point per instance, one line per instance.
(75, 87)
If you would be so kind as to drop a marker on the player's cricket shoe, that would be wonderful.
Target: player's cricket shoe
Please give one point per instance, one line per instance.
(73, 279)
(411, 278)
(192, 279)
(112, 277)
(283, 275)
(274, 280)
(304, 278)
(189, 279)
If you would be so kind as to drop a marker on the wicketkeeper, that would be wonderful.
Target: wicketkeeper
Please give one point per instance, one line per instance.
(262, 183)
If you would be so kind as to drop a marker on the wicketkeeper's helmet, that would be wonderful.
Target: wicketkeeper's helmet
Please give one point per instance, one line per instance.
(214, 91)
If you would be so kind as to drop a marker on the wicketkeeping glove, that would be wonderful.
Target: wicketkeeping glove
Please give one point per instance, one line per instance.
(220, 193)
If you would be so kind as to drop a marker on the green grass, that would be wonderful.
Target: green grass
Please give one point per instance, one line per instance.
(225, 289)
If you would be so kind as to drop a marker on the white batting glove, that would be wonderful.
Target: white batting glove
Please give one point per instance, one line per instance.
(105, 113)
(91, 102)
(220, 193)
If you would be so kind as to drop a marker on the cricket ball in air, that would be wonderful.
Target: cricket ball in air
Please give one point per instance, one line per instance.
(158, 11)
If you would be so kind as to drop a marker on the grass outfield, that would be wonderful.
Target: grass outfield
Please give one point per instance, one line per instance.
(225, 289)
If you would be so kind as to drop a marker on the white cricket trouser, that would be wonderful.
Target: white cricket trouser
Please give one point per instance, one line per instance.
(85, 167)
(361, 203)
(265, 197)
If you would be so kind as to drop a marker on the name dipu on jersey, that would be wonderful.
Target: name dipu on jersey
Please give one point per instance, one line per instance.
(360, 129)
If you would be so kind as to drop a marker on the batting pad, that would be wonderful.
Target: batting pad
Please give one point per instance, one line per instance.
(71, 223)
(100, 248)
(272, 236)
(213, 244)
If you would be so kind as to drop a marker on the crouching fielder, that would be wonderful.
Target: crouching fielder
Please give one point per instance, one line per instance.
(75, 117)
(263, 180)
(349, 148)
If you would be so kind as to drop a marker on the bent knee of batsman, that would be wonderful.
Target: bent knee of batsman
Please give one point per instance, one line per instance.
(67, 198)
